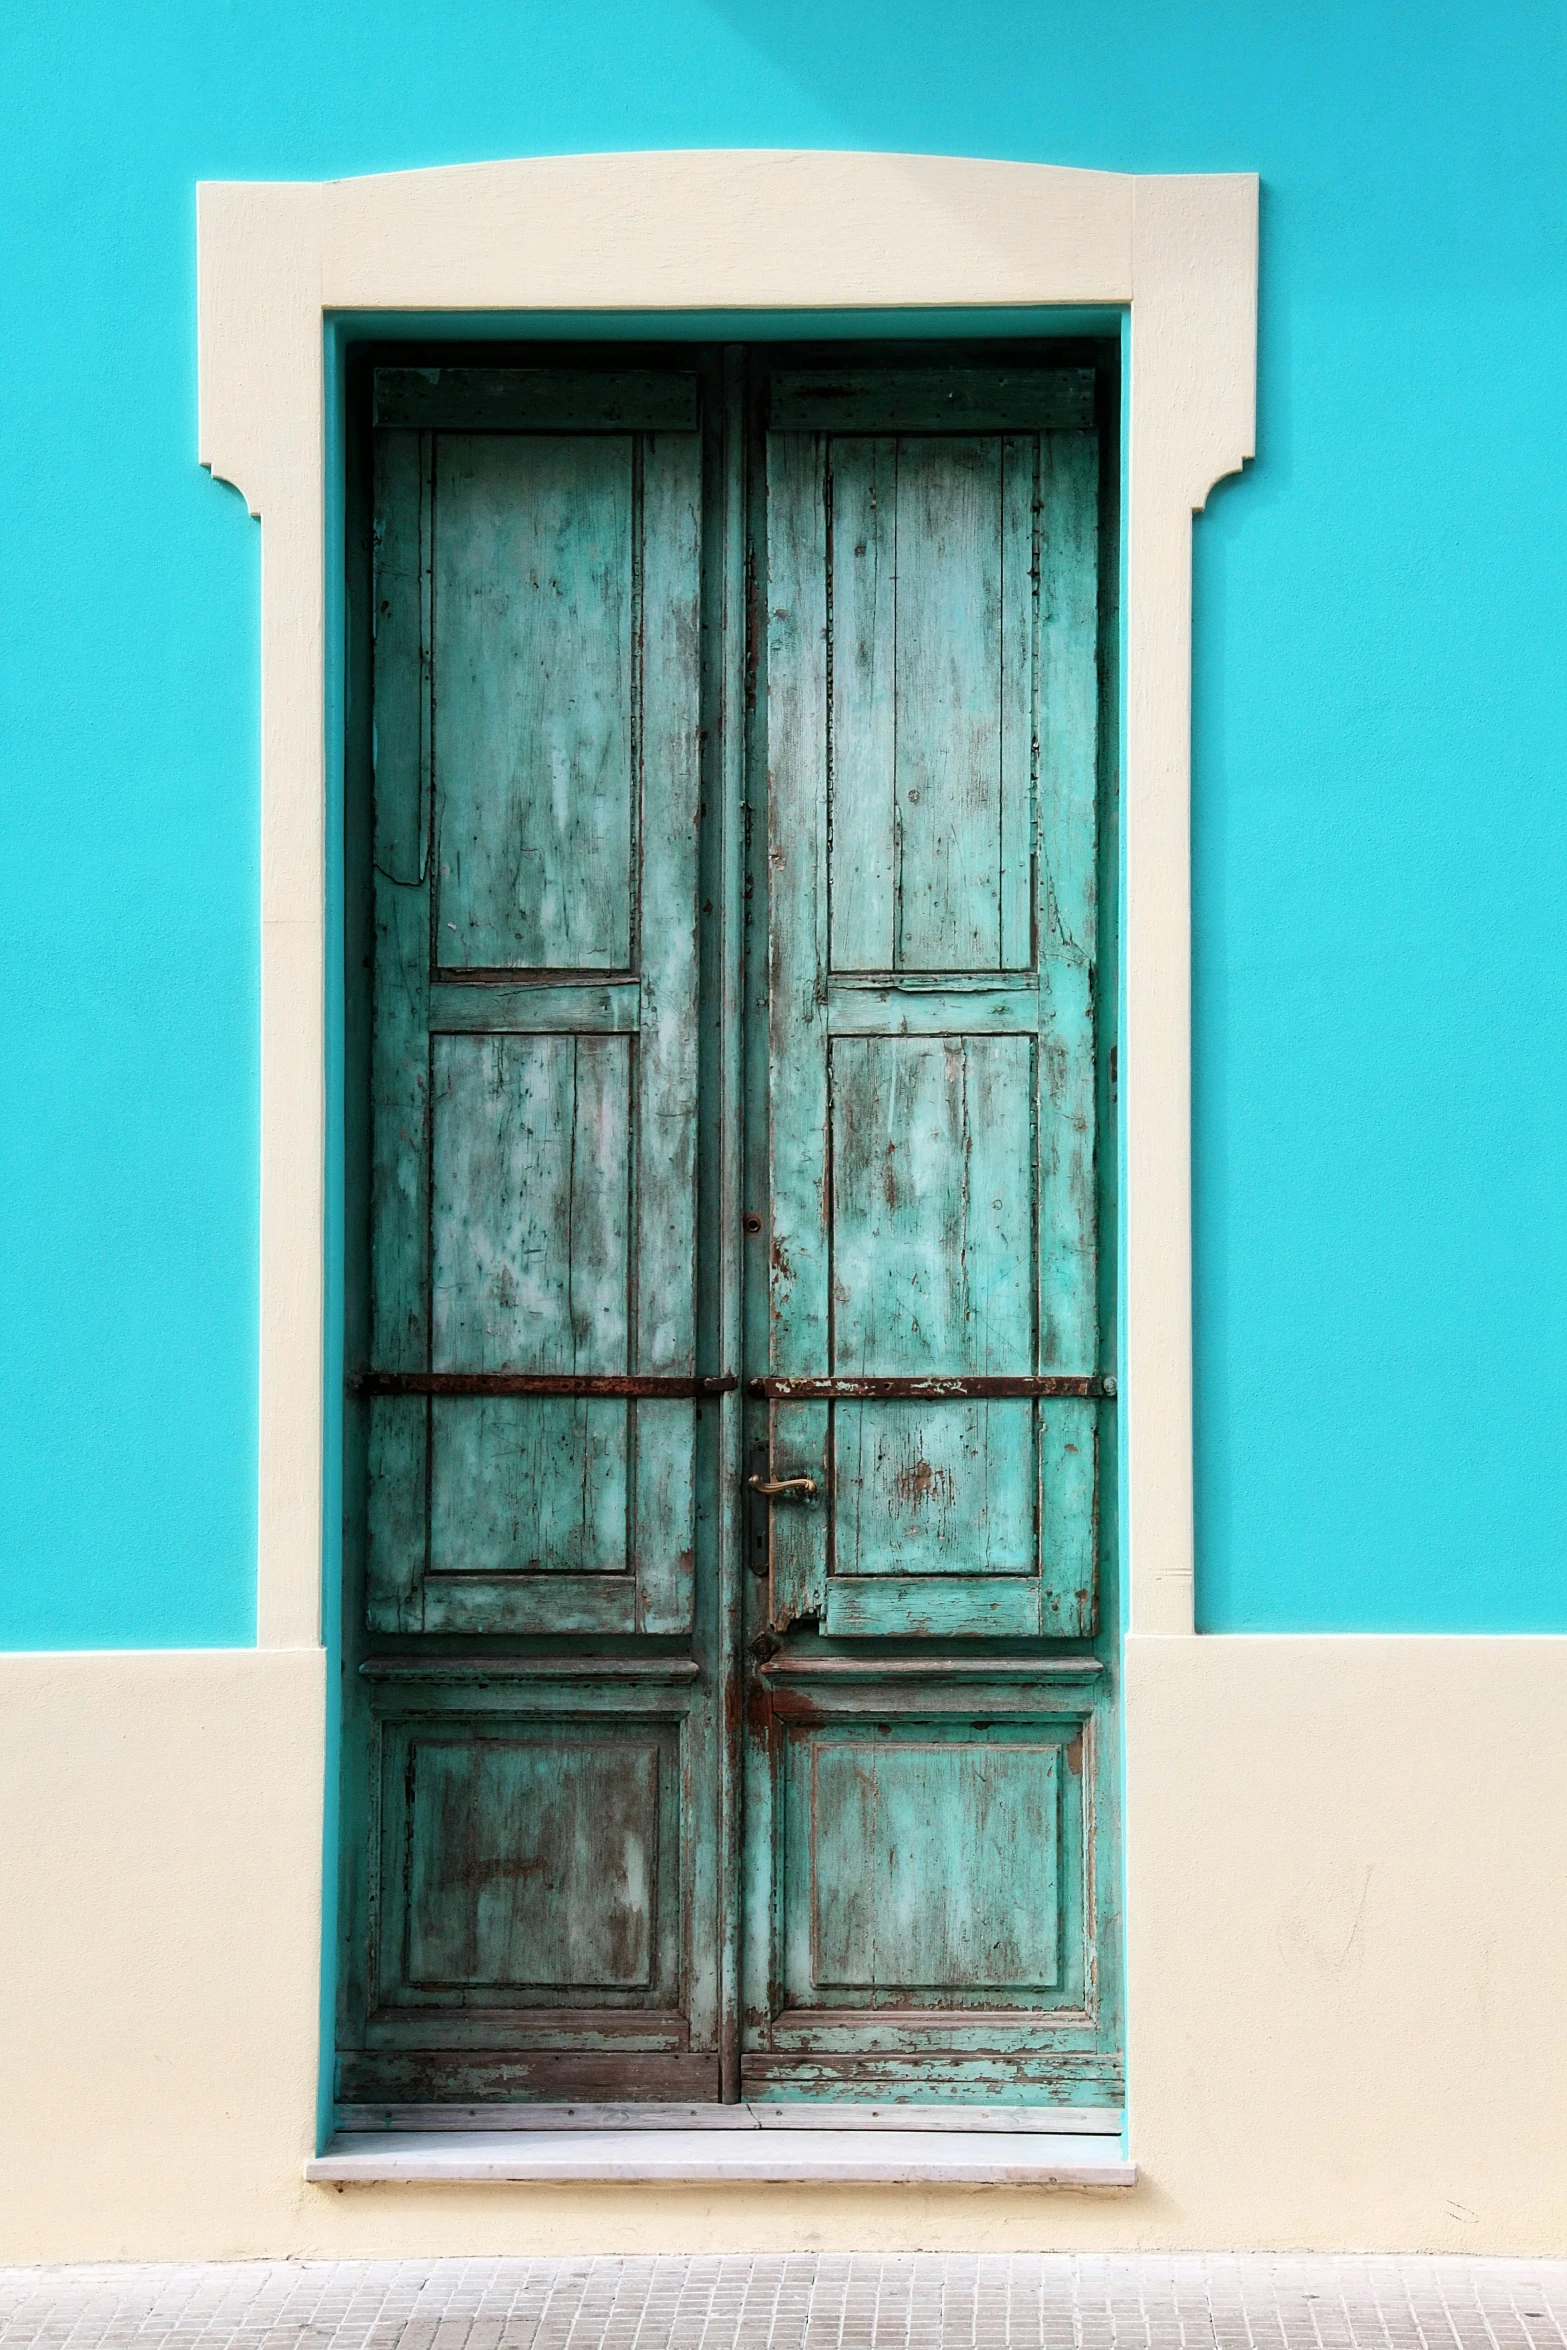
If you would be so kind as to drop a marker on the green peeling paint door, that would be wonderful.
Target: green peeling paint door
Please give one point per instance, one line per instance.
(533, 1911)
(928, 1770)
(728, 1663)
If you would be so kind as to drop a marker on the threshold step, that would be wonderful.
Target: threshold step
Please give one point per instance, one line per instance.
(977, 2158)
(783, 2113)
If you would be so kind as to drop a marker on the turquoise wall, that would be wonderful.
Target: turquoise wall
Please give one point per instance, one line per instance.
(1380, 824)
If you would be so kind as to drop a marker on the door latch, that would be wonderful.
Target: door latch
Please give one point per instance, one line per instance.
(784, 1488)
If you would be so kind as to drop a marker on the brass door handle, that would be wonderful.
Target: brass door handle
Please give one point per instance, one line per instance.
(784, 1488)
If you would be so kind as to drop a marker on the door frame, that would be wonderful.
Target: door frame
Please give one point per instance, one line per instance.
(635, 244)
(729, 233)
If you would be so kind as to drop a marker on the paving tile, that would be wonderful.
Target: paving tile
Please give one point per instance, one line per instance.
(795, 2301)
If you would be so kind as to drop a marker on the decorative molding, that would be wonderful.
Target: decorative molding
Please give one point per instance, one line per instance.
(740, 232)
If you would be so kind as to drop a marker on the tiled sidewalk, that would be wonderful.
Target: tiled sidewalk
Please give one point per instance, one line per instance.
(863, 2301)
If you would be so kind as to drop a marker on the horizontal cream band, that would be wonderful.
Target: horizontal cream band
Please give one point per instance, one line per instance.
(1347, 1912)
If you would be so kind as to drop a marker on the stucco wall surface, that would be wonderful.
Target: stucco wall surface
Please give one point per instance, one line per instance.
(1346, 1851)
(1348, 1934)
(1379, 846)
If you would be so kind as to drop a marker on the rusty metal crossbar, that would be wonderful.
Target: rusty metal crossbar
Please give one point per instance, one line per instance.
(979, 1387)
(648, 1386)
(656, 1385)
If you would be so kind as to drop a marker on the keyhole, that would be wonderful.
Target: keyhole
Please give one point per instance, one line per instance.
(753, 1223)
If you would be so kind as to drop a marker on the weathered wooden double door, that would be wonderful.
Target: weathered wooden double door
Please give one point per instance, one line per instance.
(729, 1673)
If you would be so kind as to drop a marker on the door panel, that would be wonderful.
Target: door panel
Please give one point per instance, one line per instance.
(928, 1838)
(930, 540)
(883, 1913)
(536, 1878)
(530, 1863)
(531, 1210)
(507, 1885)
(533, 622)
(932, 1232)
(934, 1491)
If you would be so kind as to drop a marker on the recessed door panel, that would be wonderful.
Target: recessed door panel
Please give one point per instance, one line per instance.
(931, 541)
(531, 1869)
(933, 1212)
(884, 1912)
(531, 1202)
(531, 1860)
(935, 1489)
(534, 608)
(527, 1487)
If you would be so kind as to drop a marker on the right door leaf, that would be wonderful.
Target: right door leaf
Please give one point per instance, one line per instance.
(933, 698)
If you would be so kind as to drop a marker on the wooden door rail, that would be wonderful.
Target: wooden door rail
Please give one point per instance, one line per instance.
(979, 1387)
(649, 1386)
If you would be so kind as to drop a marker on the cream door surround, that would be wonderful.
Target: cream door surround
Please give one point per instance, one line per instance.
(756, 231)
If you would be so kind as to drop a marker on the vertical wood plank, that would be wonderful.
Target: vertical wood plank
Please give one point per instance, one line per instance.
(1069, 1512)
(399, 1075)
(1068, 1256)
(801, 1446)
(797, 958)
(668, 636)
(1020, 494)
(1069, 748)
(665, 1519)
(395, 1529)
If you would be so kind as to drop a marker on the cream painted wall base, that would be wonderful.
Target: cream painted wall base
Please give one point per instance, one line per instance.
(1348, 1976)
(1349, 1941)
(160, 1933)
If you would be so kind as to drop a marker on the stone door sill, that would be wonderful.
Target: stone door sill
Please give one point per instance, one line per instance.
(935, 2157)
